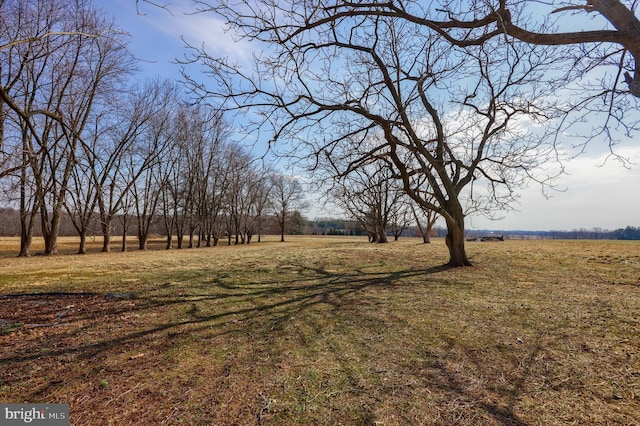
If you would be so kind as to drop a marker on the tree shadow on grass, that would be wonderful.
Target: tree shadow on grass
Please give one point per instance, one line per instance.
(239, 308)
(311, 286)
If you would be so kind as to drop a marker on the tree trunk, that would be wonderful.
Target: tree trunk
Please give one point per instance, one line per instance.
(180, 237)
(82, 248)
(142, 240)
(424, 230)
(382, 234)
(50, 234)
(124, 238)
(26, 236)
(455, 243)
(106, 235)
(27, 222)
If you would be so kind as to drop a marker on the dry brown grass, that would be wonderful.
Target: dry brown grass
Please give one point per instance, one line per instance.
(328, 331)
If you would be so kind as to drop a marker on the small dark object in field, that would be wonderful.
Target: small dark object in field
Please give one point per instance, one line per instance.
(488, 238)
(500, 238)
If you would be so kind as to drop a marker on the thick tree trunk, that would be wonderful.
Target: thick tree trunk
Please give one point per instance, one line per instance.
(142, 240)
(106, 243)
(82, 248)
(180, 238)
(51, 244)
(106, 236)
(455, 243)
(50, 234)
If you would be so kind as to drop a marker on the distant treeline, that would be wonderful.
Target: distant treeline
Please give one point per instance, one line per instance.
(628, 233)
(10, 226)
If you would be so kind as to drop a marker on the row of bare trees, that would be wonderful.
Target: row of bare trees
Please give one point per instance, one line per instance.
(77, 140)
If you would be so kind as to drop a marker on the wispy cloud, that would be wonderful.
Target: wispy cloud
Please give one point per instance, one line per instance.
(203, 29)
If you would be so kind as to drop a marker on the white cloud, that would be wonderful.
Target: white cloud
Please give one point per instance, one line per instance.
(155, 34)
(202, 29)
(596, 195)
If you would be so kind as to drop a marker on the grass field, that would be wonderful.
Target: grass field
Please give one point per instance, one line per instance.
(327, 331)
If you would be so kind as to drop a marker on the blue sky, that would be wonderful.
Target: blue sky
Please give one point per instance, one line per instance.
(598, 193)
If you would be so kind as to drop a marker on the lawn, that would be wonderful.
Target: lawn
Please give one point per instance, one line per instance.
(327, 331)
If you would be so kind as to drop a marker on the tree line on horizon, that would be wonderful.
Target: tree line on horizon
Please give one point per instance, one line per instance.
(299, 224)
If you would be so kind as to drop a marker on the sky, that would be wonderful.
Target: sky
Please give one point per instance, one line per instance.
(596, 192)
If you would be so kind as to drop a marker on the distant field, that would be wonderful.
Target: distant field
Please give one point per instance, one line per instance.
(327, 331)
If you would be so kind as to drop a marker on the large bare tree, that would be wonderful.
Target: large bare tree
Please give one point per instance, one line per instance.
(335, 83)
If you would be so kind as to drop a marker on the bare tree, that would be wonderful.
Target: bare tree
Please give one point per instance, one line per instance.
(287, 196)
(217, 187)
(424, 221)
(400, 217)
(598, 64)
(146, 176)
(368, 86)
(107, 62)
(239, 162)
(61, 57)
(195, 170)
(30, 38)
(127, 149)
(370, 194)
(171, 197)
(260, 195)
